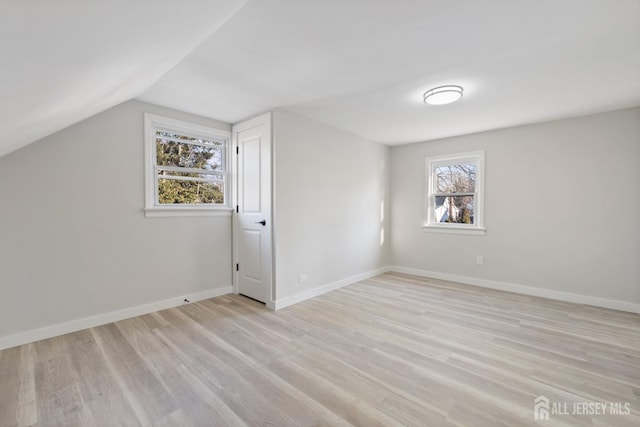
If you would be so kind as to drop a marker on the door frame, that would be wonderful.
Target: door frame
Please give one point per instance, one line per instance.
(262, 119)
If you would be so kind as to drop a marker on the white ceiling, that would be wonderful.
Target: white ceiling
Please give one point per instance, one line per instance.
(65, 60)
(363, 65)
(360, 65)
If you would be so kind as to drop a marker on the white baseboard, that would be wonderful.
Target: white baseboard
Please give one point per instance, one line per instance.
(102, 319)
(526, 290)
(299, 297)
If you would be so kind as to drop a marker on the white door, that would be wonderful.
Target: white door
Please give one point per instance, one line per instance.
(253, 210)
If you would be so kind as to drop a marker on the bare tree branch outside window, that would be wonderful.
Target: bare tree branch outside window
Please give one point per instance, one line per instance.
(455, 187)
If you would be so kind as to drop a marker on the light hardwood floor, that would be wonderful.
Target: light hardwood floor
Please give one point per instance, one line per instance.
(389, 351)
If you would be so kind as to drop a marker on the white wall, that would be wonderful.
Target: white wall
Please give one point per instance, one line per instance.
(329, 188)
(562, 207)
(74, 241)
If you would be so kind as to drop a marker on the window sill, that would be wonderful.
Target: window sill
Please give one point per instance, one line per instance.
(454, 229)
(186, 211)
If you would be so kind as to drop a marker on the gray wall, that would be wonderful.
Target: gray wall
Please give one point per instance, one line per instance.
(562, 203)
(562, 207)
(74, 239)
(329, 187)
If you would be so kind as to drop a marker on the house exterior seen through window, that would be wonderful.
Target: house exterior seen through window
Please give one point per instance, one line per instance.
(187, 166)
(454, 199)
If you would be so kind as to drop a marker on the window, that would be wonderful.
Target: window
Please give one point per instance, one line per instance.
(454, 201)
(187, 168)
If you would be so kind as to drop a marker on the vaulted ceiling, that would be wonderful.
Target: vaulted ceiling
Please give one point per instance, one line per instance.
(66, 60)
(359, 65)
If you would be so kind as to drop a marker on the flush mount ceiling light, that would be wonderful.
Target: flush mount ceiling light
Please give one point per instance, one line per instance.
(443, 95)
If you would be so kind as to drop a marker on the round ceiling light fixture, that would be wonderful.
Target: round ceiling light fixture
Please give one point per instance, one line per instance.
(443, 95)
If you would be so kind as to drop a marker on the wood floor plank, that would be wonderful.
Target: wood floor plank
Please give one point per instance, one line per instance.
(199, 407)
(9, 386)
(142, 389)
(27, 411)
(58, 395)
(101, 393)
(234, 389)
(388, 351)
(85, 357)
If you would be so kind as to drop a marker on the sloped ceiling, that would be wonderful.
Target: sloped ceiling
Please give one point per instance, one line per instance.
(363, 65)
(65, 60)
(360, 65)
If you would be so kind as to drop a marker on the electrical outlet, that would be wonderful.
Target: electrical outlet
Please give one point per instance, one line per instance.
(479, 260)
(302, 278)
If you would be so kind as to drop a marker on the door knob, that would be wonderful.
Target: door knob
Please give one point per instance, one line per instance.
(263, 222)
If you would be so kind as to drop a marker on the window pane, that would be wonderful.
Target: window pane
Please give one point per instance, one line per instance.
(455, 209)
(178, 192)
(170, 152)
(457, 178)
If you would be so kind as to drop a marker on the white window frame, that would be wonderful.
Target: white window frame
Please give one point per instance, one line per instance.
(153, 123)
(430, 224)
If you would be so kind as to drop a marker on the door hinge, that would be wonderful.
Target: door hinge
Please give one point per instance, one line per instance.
(237, 267)
(237, 209)
(237, 150)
